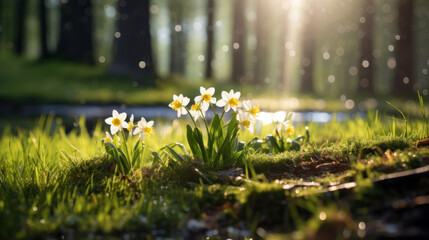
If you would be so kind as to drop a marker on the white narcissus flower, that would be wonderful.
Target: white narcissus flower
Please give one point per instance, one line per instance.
(251, 109)
(179, 103)
(245, 121)
(131, 123)
(282, 126)
(117, 122)
(198, 110)
(109, 139)
(229, 100)
(144, 128)
(206, 97)
(285, 126)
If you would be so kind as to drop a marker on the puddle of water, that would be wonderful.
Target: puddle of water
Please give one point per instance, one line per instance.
(151, 112)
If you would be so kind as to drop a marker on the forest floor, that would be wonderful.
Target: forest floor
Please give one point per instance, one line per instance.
(55, 81)
(362, 178)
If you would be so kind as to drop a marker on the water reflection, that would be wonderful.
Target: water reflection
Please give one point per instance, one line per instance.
(151, 112)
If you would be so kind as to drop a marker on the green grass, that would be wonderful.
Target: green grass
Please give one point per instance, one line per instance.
(54, 183)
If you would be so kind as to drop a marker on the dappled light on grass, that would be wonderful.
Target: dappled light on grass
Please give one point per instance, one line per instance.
(56, 182)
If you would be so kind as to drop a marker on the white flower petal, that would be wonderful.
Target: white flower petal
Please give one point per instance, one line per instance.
(149, 124)
(227, 107)
(115, 113)
(221, 103)
(185, 101)
(211, 91)
(202, 90)
(225, 96)
(142, 121)
(137, 131)
(114, 129)
(204, 106)
(237, 95)
(109, 120)
(246, 105)
(125, 125)
(198, 99)
(122, 116)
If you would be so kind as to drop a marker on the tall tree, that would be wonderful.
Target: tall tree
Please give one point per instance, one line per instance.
(308, 47)
(262, 30)
(178, 37)
(404, 75)
(133, 53)
(1, 25)
(43, 29)
(20, 28)
(239, 41)
(210, 38)
(366, 60)
(76, 30)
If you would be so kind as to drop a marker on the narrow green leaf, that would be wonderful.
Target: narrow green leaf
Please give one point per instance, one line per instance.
(158, 158)
(198, 136)
(192, 143)
(175, 154)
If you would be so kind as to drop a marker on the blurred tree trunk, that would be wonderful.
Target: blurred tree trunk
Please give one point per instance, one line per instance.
(261, 44)
(43, 29)
(404, 76)
(239, 42)
(366, 62)
(210, 38)
(178, 38)
(20, 28)
(1, 26)
(133, 53)
(308, 51)
(76, 30)
(283, 51)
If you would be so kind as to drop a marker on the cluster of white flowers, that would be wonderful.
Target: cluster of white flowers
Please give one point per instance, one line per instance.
(117, 124)
(246, 112)
(284, 124)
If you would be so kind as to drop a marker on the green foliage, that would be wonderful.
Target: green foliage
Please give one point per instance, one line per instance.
(56, 182)
(222, 142)
(424, 116)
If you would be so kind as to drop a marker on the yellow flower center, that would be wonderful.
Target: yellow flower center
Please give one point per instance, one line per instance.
(148, 130)
(207, 97)
(246, 123)
(233, 102)
(254, 110)
(116, 122)
(176, 105)
(107, 140)
(290, 130)
(195, 107)
(130, 126)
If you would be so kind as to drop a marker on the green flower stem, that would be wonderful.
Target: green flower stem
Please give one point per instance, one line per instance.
(213, 109)
(190, 115)
(205, 122)
(223, 113)
(124, 142)
(142, 153)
